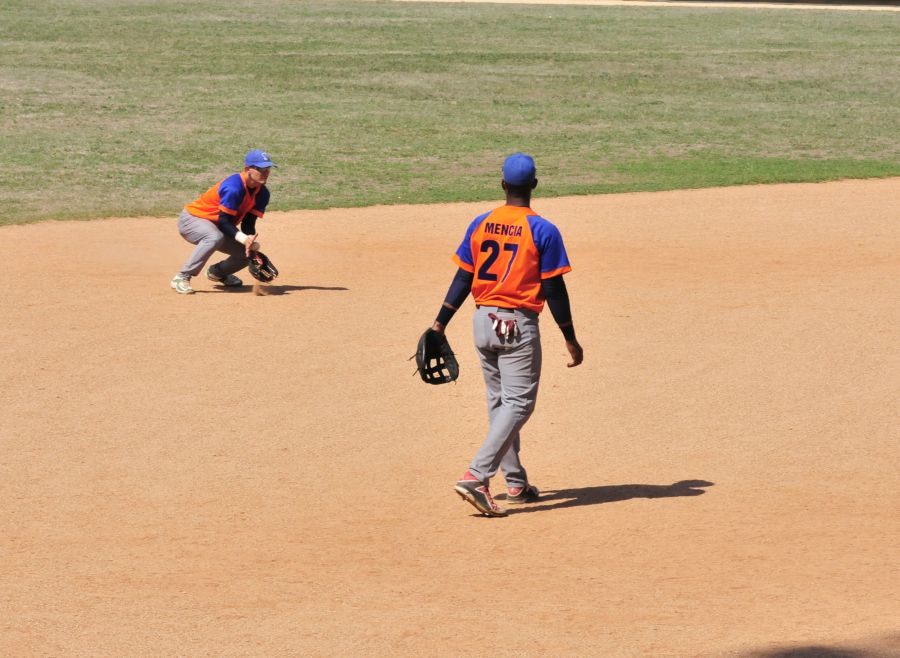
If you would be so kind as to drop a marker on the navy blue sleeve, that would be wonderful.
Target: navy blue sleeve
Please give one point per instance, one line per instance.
(226, 224)
(557, 297)
(460, 288)
(248, 225)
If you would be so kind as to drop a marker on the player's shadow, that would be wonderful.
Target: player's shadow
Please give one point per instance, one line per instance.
(560, 498)
(278, 289)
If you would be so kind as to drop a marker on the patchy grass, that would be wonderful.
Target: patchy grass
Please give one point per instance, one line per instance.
(126, 108)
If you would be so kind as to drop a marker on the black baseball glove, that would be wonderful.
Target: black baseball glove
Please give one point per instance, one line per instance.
(435, 361)
(261, 268)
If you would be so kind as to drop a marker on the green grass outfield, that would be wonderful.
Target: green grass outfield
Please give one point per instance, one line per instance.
(134, 107)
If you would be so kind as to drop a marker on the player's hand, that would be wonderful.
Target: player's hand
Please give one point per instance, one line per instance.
(251, 240)
(575, 352)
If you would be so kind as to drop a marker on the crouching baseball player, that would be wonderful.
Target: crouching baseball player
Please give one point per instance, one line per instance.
(224, 219)
(511, 260)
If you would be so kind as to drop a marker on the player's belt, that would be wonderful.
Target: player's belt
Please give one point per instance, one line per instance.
(498, 308)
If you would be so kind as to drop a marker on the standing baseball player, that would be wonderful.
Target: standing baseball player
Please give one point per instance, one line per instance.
(512, 260)
(224, 219)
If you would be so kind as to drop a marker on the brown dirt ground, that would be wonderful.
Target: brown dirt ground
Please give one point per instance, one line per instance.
(225, 474)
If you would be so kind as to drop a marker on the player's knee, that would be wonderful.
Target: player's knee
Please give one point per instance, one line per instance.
(522, 409)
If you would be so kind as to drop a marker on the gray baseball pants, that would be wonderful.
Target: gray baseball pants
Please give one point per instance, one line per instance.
(512, 371)
(209, 239)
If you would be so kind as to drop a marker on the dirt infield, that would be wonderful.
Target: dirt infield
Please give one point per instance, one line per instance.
(229, 475)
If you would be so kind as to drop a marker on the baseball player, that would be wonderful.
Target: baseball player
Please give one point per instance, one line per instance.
(224, 219)
(512, 260)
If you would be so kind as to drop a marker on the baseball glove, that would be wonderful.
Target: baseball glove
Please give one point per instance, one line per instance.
(261, 268)
(435, 361)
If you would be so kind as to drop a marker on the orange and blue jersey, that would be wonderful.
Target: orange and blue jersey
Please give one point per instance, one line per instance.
(510, 250)
(232, 197)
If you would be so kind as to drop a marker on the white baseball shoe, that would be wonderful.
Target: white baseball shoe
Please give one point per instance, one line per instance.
(182, 284)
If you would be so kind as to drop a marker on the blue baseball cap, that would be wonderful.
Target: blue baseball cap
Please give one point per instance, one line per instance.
(518, 169)
(257, 158)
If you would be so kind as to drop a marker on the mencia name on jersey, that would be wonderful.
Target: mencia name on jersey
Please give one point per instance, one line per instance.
(503, 229)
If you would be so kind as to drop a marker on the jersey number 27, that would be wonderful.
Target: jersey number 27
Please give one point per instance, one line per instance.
(493, 249)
